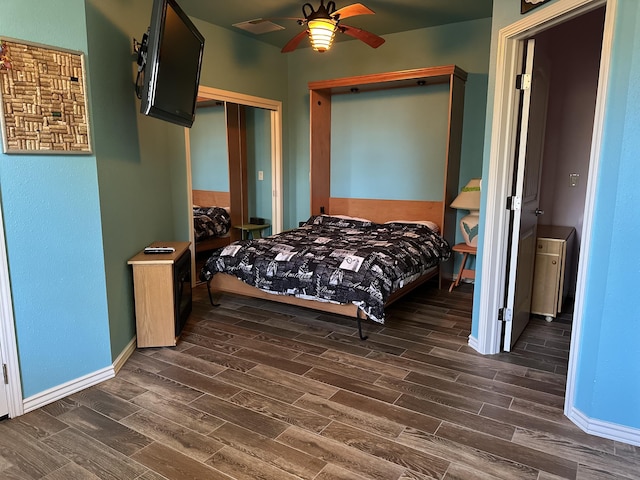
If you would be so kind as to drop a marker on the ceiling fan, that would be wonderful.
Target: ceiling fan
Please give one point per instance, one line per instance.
(323, 23)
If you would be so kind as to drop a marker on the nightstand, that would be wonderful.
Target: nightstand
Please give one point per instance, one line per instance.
(162, 294)
(465, 250)
(251, 231)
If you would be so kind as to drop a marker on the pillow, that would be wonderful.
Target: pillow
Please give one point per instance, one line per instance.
(426, 223)
(347, 217)
(343, 221)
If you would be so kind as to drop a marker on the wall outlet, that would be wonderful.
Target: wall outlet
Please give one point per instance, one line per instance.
(260, 175)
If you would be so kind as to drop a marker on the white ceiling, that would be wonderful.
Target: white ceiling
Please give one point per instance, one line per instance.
(391, 16)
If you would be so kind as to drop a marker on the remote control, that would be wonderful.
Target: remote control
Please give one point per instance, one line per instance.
(159, 250)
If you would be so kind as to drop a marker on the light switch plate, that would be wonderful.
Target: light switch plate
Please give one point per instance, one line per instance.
(260, 175)
(573, 179)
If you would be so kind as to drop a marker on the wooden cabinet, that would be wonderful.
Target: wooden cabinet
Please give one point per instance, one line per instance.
(553, 251)
(162, 291)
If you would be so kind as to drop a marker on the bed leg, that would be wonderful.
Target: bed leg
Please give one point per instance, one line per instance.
(362, 337)
(211, 296)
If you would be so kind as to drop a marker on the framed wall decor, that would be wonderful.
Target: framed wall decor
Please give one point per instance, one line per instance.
(526, 5)
(44, 102)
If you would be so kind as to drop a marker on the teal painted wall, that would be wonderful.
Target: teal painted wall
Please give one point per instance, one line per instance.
(609, 361)
(464, 44)
(209, 154)
(403, 160)
(608, 365)
(51, 210)
(136, 158)
(240, 64)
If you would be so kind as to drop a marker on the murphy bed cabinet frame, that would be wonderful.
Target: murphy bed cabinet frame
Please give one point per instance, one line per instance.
(321, 93)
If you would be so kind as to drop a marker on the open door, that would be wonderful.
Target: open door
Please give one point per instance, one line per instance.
(4, 403)
(524, 202)
(11, 392)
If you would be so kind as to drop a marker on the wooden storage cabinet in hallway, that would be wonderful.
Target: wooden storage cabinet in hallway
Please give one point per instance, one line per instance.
(553, 249)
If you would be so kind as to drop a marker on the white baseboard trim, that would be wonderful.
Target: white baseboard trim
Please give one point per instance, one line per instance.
(125, 354)
(609, 430)
(73, 386)
(473, 343)
(56, 393)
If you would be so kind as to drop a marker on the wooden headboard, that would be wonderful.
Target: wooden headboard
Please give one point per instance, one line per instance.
(211, 198)
(381, 211)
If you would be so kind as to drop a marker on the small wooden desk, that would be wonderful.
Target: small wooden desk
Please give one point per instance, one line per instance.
(465, 250)
(251, 230)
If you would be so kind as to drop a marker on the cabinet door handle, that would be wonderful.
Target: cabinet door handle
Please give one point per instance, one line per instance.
(553, 262)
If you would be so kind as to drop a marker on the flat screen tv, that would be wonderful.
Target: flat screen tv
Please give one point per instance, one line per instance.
(169, 62)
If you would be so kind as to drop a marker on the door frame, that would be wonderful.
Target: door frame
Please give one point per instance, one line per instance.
(8, 341)
(500, 174)
(275, 107)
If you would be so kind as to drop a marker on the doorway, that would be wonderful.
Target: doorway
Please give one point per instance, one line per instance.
(510, 42)
(570, 53)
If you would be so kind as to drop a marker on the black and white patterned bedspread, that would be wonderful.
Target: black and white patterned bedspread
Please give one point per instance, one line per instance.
(210, 222)
(336, 260)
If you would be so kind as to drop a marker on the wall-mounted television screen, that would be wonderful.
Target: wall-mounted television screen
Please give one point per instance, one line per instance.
(170, 59)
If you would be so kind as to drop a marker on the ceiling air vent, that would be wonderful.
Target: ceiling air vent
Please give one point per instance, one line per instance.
(259, 26)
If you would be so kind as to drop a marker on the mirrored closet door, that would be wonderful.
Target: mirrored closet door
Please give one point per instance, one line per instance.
(234, 164)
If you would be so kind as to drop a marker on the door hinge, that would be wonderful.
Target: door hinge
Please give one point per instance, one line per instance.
(4, 374)
(514, 203)
(523, 81)
(504, 314)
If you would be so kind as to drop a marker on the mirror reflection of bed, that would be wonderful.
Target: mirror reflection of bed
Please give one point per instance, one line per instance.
(211, 221)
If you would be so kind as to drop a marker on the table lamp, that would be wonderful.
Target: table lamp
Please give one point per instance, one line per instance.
(469, 199)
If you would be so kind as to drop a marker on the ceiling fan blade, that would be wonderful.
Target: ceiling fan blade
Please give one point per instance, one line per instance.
(369, 38)
(294, 42)
(352, 11)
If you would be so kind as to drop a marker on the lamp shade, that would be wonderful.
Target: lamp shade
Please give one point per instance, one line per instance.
(469, 199)
(321, 32)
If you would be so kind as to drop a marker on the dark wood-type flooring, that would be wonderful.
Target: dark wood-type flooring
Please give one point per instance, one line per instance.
(257, 390)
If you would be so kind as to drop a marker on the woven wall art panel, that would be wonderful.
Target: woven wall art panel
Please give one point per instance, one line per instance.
(44, 102)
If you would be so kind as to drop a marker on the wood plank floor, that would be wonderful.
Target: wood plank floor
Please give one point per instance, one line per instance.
(256, 390)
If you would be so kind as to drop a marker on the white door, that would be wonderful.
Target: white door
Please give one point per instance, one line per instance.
(4, 402)
(526, 193)
(10, 395)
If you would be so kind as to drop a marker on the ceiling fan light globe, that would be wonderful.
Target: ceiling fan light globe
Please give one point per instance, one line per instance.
(321, 33)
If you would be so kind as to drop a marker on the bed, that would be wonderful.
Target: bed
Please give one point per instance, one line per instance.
(378, 211)
(211, 220)
(336, 263)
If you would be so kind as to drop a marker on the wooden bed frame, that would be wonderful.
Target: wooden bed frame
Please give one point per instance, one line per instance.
(210, 198)
(379, 211)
